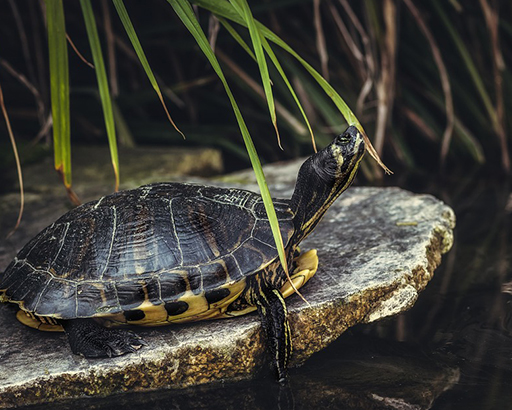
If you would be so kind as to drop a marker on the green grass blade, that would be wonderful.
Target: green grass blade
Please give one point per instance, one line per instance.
(59, 88)
(244, 11)
(226, 10)
(186, 15)
(237, 37)
(130, 30)
(101, 75)
(276, 63)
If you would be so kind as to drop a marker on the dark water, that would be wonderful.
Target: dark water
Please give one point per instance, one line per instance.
(466, 312)
(452, 350)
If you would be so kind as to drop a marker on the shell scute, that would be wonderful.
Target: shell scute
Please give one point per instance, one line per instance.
(205, 228)
(83, 248)
(52, 297)
(94, 298)
(29, 285)
(172, 285)
(42, 250)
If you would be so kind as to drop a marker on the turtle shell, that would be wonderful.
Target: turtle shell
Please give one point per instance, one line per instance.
(165, 245)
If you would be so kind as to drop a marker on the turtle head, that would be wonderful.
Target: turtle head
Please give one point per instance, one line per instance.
(323, 177)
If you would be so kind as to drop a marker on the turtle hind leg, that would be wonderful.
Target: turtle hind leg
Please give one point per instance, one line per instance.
(89, 339)
(274, 318)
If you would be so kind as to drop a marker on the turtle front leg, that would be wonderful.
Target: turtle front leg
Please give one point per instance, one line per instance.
(89, 339)
(274, 318)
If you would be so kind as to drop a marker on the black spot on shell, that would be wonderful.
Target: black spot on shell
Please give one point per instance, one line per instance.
(215, 295)
(176, 308)
(134, 315)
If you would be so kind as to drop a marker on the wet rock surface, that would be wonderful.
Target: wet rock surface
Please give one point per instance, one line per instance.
(378, 248)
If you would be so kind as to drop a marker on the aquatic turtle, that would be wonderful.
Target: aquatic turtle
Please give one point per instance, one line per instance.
(171, 252)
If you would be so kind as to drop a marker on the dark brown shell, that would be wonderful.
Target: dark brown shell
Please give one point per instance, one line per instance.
(153, 243)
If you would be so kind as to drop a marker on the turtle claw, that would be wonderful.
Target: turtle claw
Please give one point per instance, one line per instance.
(91, 340)
(140, 342)
(119, 342)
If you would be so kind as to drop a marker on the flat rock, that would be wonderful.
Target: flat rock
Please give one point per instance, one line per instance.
(353, 373)
(378, 248)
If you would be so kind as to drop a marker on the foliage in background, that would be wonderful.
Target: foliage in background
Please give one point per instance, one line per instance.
(429, 80)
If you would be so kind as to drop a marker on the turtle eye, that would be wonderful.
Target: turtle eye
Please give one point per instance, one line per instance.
(344, 139)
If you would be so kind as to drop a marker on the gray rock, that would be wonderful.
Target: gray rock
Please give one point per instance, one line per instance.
(354, 373)
(378, 248)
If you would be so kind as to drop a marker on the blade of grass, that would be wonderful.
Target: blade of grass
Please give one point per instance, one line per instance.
(59, 89)
(130, 30)
(244, 11)
(18, 165)
(237, 37)
(77, 52)
(226, 10)
(276, 63)
(287, 116)
(184, 11)
(101, 75)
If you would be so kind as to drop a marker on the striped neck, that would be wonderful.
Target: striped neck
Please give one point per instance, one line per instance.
(322, 179)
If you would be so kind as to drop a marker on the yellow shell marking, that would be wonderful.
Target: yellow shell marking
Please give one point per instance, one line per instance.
(305, 264)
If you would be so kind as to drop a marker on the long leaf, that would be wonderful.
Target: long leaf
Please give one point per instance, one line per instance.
(244, 11)
(226, 10)
(17, 159)
(101, 75)
(59, 88)
(186, 15)
(276, 63)
(237, 37)
(130, 30)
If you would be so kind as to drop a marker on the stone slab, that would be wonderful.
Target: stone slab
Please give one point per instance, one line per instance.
(354, 373)
(378, 248)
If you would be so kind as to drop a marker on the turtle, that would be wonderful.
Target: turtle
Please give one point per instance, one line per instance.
(175, 252)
